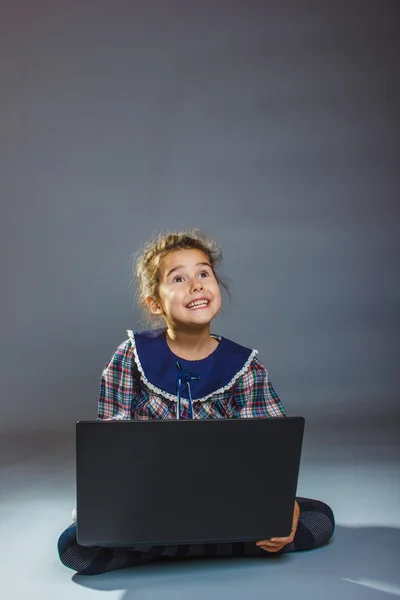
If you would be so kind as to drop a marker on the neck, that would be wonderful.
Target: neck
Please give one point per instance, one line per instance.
(191, 344)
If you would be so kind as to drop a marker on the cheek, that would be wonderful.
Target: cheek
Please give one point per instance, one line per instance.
(175, 297)
(217, 294)
(164, 297)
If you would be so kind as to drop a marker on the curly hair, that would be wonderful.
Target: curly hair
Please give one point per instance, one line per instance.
(147, 262)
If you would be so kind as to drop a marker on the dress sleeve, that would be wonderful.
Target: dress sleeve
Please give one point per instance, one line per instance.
(118, 385)
(254, 395)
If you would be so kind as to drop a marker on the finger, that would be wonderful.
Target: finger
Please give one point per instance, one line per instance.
(284, 540)
(270, 549)
(296, 515)
(269, 545)
(272, 545)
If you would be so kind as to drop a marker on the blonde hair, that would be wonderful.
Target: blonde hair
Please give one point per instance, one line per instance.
(147, 262)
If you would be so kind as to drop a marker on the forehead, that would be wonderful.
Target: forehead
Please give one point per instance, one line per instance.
(186, 258)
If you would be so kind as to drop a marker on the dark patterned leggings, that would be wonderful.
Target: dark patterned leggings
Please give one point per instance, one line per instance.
(316, 525)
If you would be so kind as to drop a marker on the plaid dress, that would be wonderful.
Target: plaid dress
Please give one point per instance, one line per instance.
(145, 380)
(139, 382)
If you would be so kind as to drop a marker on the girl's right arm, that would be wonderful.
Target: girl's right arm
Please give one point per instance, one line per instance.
(117, 385)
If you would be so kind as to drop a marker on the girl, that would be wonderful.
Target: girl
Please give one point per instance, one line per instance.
(182, 371)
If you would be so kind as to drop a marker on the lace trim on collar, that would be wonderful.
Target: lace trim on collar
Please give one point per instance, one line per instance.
(161, 392)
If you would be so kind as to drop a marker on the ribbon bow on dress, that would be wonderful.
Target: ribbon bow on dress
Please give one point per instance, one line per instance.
(184, 378)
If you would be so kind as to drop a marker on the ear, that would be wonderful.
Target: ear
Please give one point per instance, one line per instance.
(154, 305)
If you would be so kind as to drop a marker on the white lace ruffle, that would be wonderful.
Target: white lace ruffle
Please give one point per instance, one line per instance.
(157, 390)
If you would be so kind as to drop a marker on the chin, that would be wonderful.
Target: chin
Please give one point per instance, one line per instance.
(203, 320)
(197, 319)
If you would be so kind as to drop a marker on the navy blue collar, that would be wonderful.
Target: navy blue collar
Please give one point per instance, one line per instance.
(217, 372)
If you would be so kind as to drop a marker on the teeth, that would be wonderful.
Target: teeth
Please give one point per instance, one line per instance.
(198, 303)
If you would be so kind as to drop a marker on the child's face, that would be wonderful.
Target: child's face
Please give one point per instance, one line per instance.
(186, 276)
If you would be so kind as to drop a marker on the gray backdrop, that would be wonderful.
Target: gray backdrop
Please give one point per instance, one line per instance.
(274, 126)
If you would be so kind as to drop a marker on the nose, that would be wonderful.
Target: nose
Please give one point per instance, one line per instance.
(197, 285)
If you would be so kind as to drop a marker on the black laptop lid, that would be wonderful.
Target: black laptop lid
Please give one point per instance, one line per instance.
(186, 481)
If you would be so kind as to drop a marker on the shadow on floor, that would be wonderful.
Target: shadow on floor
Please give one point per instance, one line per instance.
(357, 563)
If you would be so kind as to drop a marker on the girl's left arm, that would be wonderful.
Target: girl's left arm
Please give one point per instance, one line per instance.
(254, 395)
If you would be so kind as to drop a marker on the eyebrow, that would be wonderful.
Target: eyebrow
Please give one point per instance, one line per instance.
(206, 264)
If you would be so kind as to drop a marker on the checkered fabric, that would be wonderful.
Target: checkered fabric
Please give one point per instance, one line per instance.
(125, 395)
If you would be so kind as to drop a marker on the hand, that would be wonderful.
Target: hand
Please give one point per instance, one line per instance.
(276, 544)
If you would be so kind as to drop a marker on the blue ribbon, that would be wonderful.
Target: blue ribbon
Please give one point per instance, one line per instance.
(184, 378)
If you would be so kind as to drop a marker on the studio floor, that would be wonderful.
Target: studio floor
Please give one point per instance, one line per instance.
(357, 474)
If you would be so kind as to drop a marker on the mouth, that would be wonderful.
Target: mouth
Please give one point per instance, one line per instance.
(198, 304)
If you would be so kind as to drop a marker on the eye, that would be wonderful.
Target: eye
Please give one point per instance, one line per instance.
(177, 279)
(204, 274)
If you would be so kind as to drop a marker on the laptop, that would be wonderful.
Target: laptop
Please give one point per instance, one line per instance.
(163, 482)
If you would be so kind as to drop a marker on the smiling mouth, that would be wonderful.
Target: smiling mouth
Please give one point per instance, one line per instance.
(198, 304)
